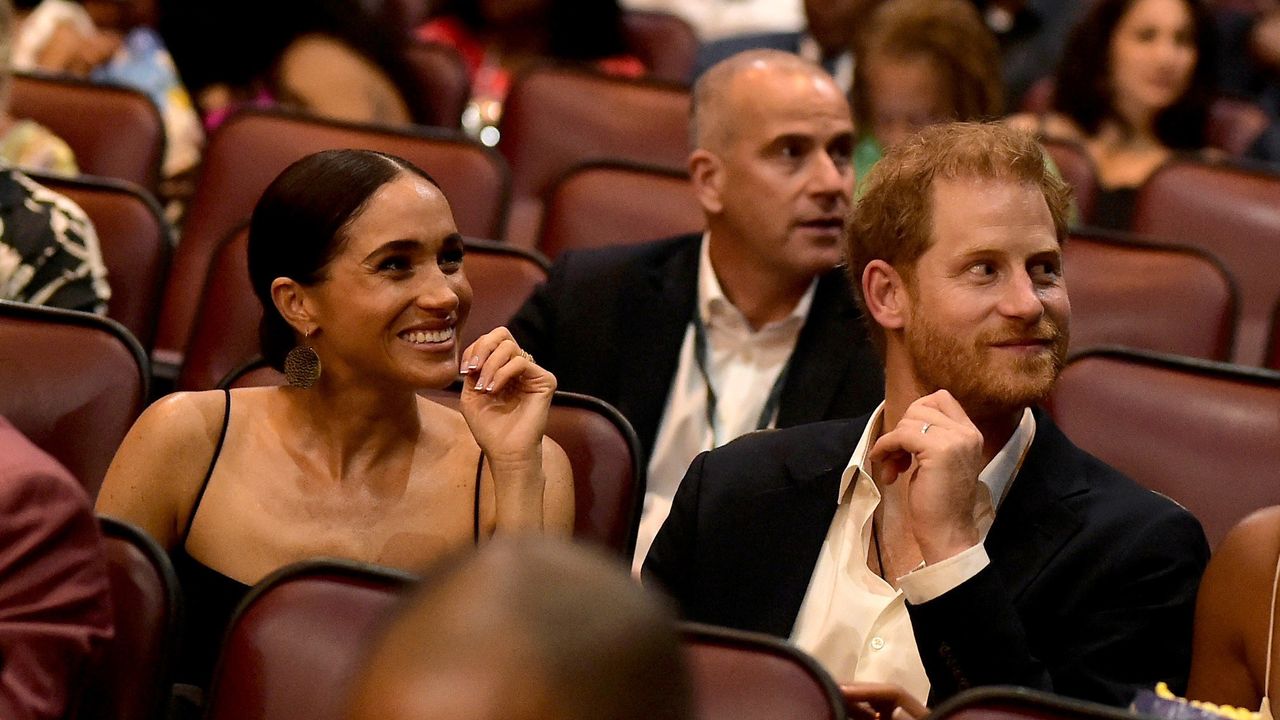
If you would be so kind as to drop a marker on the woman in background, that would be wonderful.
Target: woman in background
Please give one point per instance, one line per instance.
(1133, 88)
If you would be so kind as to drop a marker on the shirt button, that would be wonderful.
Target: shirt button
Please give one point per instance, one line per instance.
(877, 643)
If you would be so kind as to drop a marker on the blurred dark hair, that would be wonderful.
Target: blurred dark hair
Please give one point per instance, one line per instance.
(577, 30)
(1083, 86)
(298, 226)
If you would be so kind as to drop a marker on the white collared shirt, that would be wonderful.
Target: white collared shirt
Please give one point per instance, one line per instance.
(854, 622)
(743, 365)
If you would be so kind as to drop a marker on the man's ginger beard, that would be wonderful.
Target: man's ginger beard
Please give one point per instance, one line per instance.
(985, 384)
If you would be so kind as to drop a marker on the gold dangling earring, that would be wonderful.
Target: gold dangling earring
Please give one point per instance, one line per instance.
(302, 365)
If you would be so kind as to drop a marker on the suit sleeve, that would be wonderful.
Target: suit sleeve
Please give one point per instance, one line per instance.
(670, 563)
(55, 611)
(534, 324)
(1132, 630)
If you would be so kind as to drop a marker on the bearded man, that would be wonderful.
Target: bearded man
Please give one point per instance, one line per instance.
(966, 541)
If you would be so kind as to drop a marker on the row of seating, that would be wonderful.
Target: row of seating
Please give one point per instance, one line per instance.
(1233, 213)
(296, 641)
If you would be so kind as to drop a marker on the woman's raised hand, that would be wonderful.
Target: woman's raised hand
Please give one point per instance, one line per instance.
(505, 398)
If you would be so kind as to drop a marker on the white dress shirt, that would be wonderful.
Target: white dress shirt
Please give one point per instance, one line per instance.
(743, 365)
(853, 621)
(715, 19)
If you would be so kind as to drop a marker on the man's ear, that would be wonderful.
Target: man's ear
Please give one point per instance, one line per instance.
(885, 293)
(706, 173)
(294, 304)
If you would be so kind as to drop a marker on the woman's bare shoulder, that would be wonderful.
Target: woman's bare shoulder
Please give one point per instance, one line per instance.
(1049, 125)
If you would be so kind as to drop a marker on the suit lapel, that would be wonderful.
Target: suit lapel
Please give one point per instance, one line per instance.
(1033, 523)
(823, 355)
(655, 307)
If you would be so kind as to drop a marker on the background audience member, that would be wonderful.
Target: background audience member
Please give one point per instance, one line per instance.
(359, 267)
(701, 338)
(526, 630)
(55, 598)
(922, 62)
(1134, 86)
(49, 253)
(25, 143)
(827, 38)
(1233, 655)
(499, 38)
(1031, 34)
(716, 19)
(60, 37)
(328, 57)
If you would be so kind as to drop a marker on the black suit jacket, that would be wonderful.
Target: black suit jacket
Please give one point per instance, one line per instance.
(1090, 592)
(610, 323)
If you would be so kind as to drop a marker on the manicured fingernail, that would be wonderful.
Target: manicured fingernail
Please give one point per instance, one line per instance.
(490, 388)
(480, 385)
(473, 363)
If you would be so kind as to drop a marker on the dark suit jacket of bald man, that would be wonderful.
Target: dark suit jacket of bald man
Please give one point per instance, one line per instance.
(610, 322)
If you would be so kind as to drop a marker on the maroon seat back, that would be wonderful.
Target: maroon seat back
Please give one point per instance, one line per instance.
(136, 242)
(1204, 434)
(1078, 170)
(136, 679)
(746, 676)
(1013, 703)
(1232, 214)
(72, 382)
(614, 203)
(226, 325)
(1234, 125)
(115, 132)
(1152, 297)
(443, 85)
(556, 118)
(253, 147)
(297, 640)
(665, 43)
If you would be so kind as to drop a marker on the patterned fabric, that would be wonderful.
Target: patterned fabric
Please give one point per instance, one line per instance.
(31, 145)
(49, 252)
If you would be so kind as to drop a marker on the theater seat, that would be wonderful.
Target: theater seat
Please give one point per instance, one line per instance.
(1078, 170)
(297, 639)
(253, 147)
(1164, 298)
(748, 676)
(1234, 215)
(1014, 703)
(115, 132)
(225, 333)
(1204, 434)
(136, 243)
(616, 203)
(443, 86)
(72, 382)
(557, 117)
(665, 43)
(136, 677)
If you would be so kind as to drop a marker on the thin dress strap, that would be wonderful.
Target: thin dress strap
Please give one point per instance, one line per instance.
(1271, 628)
(217, 450)
(475, 512)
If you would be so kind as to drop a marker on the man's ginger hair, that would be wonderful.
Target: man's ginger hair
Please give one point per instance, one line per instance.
(893, 219)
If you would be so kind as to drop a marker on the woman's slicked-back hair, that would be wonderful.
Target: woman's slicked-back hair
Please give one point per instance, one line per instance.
(298, 226)
(1082, 89)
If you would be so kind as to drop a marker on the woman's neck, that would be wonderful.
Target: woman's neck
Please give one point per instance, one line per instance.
(355, 428)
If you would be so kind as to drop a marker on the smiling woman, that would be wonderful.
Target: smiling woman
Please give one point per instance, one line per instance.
(360, 270)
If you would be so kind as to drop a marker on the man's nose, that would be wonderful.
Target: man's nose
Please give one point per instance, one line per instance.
(831, 175)
(1021, 299)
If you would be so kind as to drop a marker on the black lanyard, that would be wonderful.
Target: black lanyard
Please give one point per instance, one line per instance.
(700, 356)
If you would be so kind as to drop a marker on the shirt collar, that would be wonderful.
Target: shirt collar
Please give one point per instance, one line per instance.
(713, 303)
(996, 476)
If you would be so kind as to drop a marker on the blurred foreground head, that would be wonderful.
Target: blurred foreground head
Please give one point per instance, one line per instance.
(524, 629)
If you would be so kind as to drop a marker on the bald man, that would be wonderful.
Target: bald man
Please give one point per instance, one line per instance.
(530, 629)
(702, 338)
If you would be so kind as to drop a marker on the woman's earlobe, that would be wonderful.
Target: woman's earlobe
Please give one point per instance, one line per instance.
(884, 292)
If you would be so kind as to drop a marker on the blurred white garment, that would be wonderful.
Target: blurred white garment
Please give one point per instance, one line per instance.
(715, 19)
